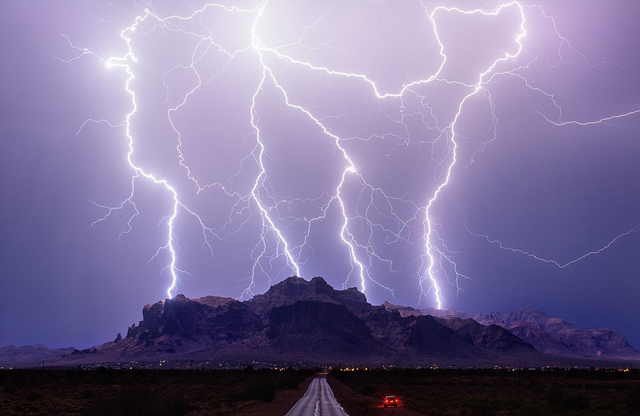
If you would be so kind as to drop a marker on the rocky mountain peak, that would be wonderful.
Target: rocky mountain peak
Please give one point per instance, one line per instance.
(294, 289)
(309, 321)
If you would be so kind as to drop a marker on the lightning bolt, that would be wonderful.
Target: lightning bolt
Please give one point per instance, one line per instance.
(376, 210)
(560, 265)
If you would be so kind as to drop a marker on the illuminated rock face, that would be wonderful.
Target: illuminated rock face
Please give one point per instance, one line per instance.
(294, 289)
(204, 321)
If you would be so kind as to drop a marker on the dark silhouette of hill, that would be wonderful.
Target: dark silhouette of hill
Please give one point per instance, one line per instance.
(546, 334)
(309, 322)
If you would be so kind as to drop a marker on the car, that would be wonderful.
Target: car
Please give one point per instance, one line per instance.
(391, 401)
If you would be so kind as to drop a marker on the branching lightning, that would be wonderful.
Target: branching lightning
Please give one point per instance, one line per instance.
(560, 265)
(377, 211)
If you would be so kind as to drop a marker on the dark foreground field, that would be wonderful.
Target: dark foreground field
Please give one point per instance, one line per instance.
(491, 392)
(272, 393)
(147, 392)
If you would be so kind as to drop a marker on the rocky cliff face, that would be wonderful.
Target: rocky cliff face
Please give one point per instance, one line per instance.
(556, 336)
(490, 337)
(545, 334)
(181, 325)
(294, 289)
(417, 336)
(318, 328)
(204, 320)
(309, 321)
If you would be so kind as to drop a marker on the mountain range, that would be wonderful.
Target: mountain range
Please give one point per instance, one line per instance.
(548, 335)
(311, 323)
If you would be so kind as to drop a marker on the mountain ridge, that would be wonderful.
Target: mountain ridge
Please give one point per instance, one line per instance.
(547, 334)
(308, 321)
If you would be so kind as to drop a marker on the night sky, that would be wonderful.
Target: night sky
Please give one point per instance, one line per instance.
(423, 154)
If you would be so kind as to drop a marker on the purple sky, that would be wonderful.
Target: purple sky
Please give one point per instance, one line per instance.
(317, 137)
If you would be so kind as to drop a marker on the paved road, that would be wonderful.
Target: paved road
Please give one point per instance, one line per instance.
(318, 400)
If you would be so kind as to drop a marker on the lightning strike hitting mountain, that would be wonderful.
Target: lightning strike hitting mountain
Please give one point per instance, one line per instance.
(284, 164)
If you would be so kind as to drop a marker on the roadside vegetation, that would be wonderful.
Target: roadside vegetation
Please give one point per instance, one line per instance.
(503, 392)
(107, 392)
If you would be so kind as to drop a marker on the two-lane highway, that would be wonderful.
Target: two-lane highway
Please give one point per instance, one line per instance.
(318, 400)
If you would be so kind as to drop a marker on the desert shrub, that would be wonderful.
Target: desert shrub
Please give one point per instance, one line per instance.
(534, 409)
(633, 400)
(177, 407)
(18, 378)
(34, 396)
(260, 389)
(215, 404)
(50, 374)
(289, 379)
(87, 394)
(367, 390)
(9, 389)
(554, 395)
(475, 406)
(103, 375)
(575, 401)
(569, 401)
(130, 402)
